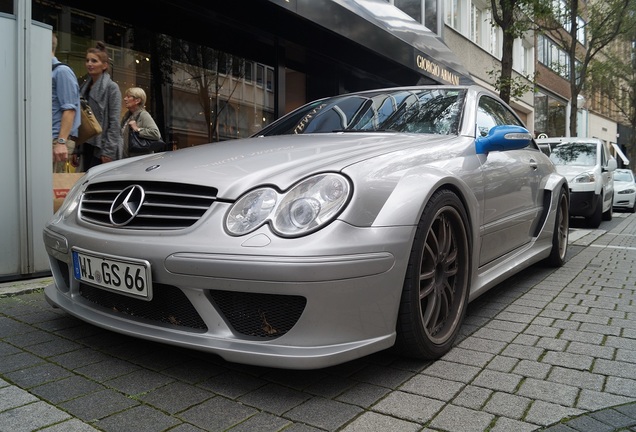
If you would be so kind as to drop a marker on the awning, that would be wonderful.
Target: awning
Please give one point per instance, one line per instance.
(381, 27)
(620, 153)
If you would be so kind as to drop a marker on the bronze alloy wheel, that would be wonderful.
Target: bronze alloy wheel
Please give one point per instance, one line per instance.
(435, 293)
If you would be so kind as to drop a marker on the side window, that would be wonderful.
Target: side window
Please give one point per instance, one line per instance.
(492, 113)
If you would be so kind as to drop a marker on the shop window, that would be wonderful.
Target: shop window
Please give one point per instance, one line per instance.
(412, 8)
(196, 94)
(6, 6)
(549, 115)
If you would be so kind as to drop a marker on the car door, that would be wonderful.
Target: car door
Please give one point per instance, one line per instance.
(512, 193)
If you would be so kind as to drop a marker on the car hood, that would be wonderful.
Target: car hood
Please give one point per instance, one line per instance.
(571, 171)
(621, 185)
(238, 165)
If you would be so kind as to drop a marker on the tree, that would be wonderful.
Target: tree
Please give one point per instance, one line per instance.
(583, 31)
(515, 18)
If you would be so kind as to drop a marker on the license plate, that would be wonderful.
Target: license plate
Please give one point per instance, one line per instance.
(127, 276)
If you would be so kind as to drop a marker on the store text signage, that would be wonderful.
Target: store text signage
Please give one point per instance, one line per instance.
(434, 69)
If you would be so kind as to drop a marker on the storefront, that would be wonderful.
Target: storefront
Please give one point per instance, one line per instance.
(215, 71)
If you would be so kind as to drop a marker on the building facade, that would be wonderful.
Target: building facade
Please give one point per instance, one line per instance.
(212, 71)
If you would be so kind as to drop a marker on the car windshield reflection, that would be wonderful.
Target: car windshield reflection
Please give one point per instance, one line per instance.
(583, 154)
(430, 111)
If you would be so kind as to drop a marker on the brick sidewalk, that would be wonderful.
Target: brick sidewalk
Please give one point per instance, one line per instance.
(551, 350)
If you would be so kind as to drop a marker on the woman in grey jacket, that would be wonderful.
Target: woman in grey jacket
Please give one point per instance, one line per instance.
(104, 97)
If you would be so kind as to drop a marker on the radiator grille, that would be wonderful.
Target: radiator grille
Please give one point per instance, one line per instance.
(164, 206)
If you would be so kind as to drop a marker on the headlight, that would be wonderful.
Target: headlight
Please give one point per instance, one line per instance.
(587, 177)
(627, 191)
(306, 207)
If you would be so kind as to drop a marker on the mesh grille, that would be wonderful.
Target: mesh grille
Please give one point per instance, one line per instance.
(259, 315)
(169, 305)
(166, 206)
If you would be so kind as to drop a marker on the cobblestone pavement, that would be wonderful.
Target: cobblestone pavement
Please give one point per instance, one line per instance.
(551, 350)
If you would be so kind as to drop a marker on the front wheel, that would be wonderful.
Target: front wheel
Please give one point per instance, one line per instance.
(435, 291)
(561, 231)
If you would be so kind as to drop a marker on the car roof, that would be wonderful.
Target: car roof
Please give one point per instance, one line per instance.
(564, 140)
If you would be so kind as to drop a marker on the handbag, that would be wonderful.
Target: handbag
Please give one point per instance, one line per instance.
(137, 144)
(89, 127)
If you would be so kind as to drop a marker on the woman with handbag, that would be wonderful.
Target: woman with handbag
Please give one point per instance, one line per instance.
(104, 98)
(139, 130)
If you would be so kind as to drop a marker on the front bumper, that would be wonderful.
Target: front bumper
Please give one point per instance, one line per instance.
(584, 203)
(274, 306)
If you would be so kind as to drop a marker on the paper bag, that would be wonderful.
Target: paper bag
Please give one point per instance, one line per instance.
(62, 183)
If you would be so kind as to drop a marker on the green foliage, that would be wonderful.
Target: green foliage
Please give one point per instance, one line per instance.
(518, 85)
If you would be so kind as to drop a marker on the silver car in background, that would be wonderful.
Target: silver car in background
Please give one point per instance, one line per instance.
(354, 224)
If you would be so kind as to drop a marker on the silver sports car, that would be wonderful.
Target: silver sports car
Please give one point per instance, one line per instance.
(354, 224)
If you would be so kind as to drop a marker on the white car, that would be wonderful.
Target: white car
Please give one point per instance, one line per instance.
(588, 167)
(624, 190)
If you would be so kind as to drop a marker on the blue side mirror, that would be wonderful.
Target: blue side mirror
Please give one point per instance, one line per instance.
(503, 137)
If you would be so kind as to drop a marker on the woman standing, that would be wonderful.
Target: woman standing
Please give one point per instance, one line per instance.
(137, 120)
(104, 98)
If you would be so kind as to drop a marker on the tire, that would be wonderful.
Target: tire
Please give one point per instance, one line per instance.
(436, 286)
(632, 209)
(561, 230)
(607, 216)
(594, 221)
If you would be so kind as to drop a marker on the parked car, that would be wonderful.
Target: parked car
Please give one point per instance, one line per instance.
(624, 190)
(588, 166)
(353, 224)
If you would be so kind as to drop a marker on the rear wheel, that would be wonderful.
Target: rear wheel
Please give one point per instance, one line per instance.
(435, 292)
(561, 230)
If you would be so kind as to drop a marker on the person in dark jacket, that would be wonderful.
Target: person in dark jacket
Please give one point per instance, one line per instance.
(104, 97)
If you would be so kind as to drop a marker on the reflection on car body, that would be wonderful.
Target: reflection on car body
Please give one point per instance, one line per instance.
(354, 224)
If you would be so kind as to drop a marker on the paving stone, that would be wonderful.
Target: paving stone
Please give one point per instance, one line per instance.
(472, 397)
(542, 331)
(363, 395)
(526, 339)
(274, 398)
(621, 386)
(591, 350)
(409, 407)
(97, 405)
(547, 391)
(508, 425)
(523, 352)
(217, 413)
(574, 361)
(591, 400)
(528, 368)
(390, 377)
(587, 423)
(581, 336)
(456, 418)
(496, 335)
(494, 380)
(469, 357)
(37, 375)
(324, 413)
(601, 329)
(615, 368)
(138, 382)
(176, 397)
(432, 387)
(262, 422)
(614, 417)
(582, 379)
(374, 422)
(11, 397)
(482, 345)
(40, 414)
(67, 389)
(507, 405)
(107, 369)
(72, 425)
(452, 371)
(502, 363)
(137, 419)
(625, 355)
(545, 413)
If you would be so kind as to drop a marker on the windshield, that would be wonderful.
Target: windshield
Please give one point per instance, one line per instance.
(583, 154)
(624, 176)
(432, 111)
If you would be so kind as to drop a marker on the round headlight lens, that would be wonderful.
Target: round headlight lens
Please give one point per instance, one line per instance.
(251, 211)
